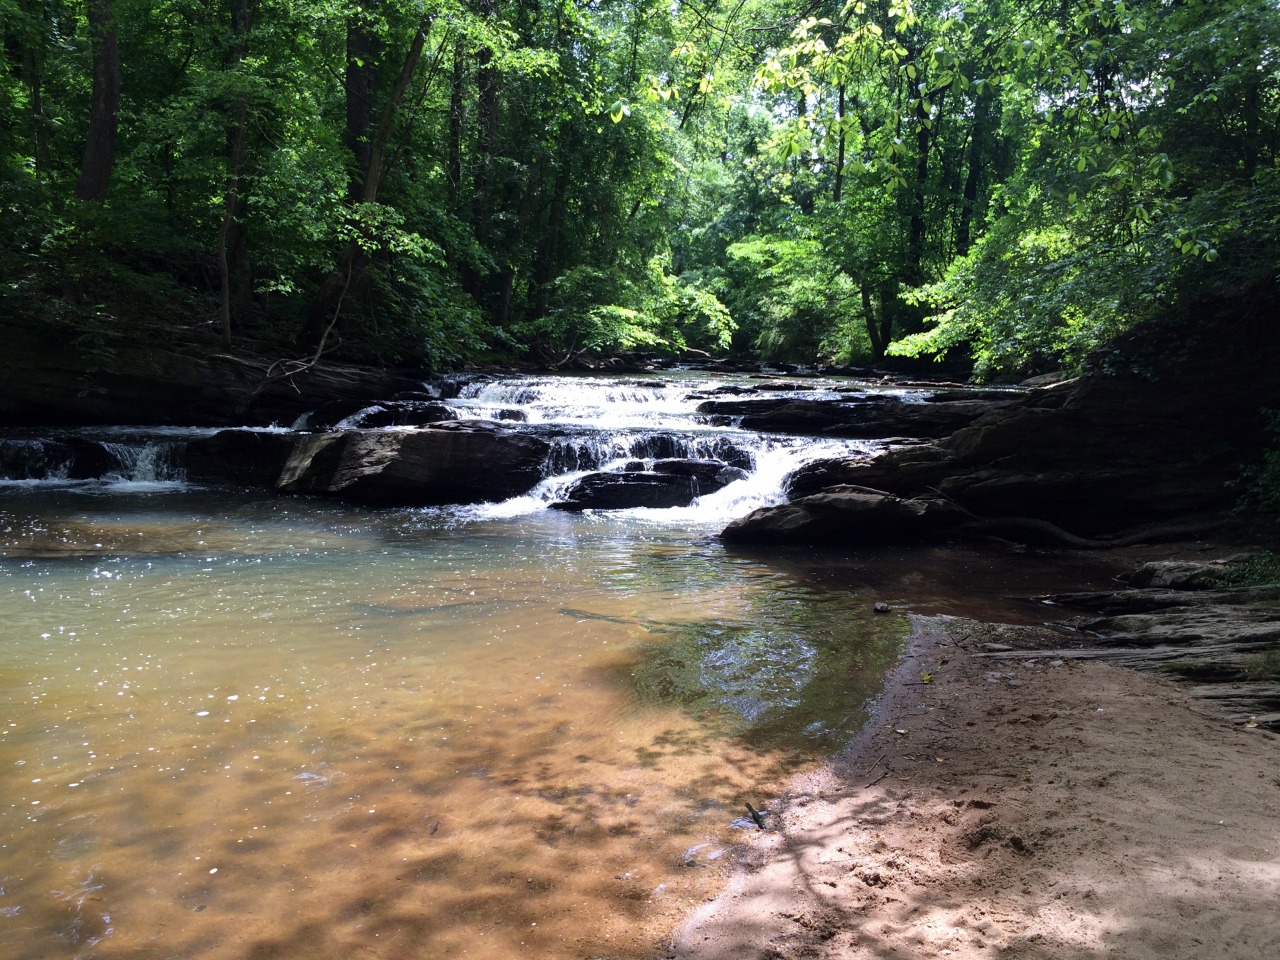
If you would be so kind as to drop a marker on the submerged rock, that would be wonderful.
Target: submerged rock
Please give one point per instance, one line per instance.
(456, 462)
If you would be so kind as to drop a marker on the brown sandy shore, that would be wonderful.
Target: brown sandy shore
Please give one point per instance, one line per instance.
(1033, 810)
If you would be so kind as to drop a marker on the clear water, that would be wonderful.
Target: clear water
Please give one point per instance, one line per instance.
(243, 726)
(240, 727)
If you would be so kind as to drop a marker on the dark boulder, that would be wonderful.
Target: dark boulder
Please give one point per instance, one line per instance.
(737, 408)
(75, 458)
(250, 457)
(876, 417)
(403, 413)
(327, 416)
(711, 475)
(1155, 435)
(455, 462)
(857, 416)
(1190, 574)
(33, 459)
(627, 489)
(90, 459)
(849, 515)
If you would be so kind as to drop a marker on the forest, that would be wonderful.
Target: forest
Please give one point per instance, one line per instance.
(436, 182)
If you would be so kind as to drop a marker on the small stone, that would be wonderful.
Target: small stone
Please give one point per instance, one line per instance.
(882, 607)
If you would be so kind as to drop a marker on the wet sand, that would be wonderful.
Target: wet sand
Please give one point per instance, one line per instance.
(1041, 810)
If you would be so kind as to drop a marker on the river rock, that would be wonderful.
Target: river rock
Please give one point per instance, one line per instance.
(710, 475)
(877, 416)
(1154, 435)
(1186, 574)
(250, 457)
(848, 515)
(626, 489)
(1149, 600)
(33, 458)
(457, 462)
(738, 408)
(403, 413)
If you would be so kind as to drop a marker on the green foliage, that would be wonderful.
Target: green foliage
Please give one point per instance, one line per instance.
(601, 312)
(1015, 181)
(1259, 486)
(1265, 665)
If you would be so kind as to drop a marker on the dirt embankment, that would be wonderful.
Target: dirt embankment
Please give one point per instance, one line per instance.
(1031, 809)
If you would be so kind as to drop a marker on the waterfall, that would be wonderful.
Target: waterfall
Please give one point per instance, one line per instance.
(75, 460)
(633, 425)
(31, 459)
(150, 462)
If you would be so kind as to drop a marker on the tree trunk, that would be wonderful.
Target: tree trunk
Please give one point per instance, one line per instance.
(229, 235)
(104, 108)
(32, 41)
(977, 158)
(513, 244)
(913, 267)
(487, 116)
(456, 90)
(232, 202)
(326, 308)
(361, 92)
(1252, 107)
(838, 191)
(877, 314)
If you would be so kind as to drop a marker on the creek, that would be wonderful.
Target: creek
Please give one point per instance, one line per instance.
(243, 725)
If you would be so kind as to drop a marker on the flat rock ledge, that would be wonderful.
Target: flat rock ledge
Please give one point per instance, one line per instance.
(848, 514)
(1222, 640)
(454, 462)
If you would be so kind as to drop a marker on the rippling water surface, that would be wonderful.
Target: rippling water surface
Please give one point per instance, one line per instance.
(253, 727)
(240, 726)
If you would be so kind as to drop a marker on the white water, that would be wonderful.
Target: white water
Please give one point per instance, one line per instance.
(611, 422)
(593, 424)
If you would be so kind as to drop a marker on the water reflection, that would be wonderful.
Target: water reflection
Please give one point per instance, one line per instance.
(238, 727)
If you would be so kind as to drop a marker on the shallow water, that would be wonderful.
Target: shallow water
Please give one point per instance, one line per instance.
(244, 726)
(241, 727)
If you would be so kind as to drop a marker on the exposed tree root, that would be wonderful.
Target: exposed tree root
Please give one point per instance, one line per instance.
(1044, 531)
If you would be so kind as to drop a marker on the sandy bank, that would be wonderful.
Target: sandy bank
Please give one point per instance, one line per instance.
(1034, 810)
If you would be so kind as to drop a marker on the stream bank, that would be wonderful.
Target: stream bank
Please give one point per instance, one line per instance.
(1039, 809)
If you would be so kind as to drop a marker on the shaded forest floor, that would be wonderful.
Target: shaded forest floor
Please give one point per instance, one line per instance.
(1038, 809)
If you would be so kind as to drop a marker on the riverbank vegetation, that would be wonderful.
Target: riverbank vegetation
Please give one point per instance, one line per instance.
(440, 181)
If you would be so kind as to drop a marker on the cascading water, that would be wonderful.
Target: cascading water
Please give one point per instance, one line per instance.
(154, 462)
(610, 424)
(116, 458)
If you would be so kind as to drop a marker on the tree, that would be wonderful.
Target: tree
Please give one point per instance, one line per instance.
(104, 109)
